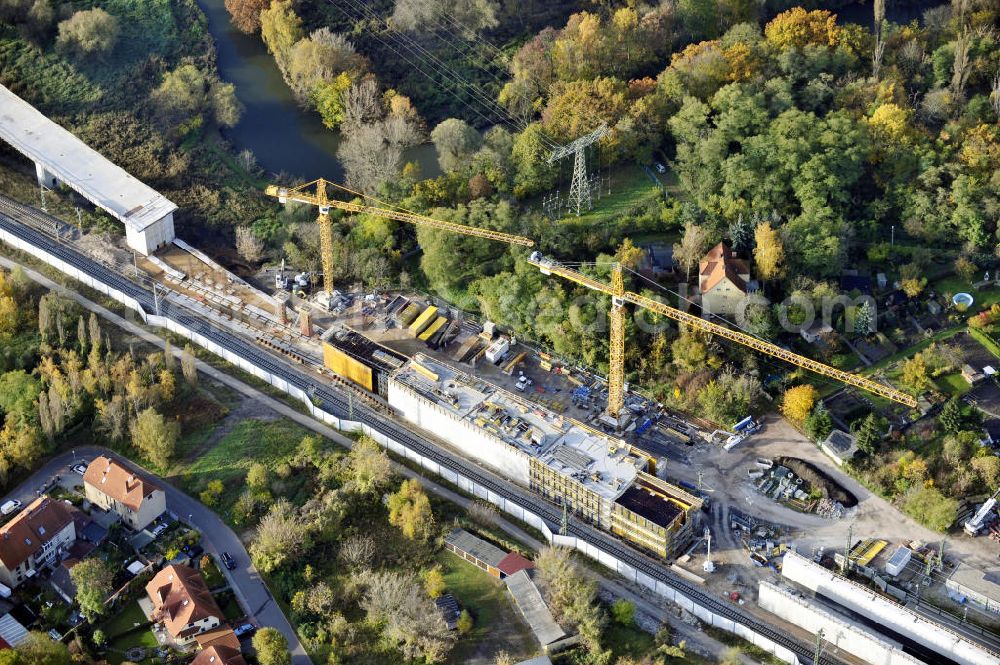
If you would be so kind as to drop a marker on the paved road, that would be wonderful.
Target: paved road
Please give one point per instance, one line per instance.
(252, 592)
(217, 537)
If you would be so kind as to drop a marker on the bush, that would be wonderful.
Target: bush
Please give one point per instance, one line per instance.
(623, 612)
(92, 32)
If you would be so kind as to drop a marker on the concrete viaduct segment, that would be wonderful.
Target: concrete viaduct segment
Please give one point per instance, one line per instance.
(62, 158)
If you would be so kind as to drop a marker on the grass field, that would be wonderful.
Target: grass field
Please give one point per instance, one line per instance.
(270, 442)
(952, 384)
(630, 187)
(498, 625)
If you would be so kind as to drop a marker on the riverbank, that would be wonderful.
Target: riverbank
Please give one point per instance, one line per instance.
(283, 137)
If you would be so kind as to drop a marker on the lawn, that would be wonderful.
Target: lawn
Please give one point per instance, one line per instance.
(953, 384)
(630, 187)
(123, 633)
(983, 298)
(270, 442)
(498, 626)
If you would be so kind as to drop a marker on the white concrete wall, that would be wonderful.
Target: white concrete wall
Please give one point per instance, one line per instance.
(153, 237)
(839, 631)
(460, 433)
(512, 508)
(868, 603)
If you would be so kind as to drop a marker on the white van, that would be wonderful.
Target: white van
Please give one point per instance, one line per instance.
(10, 506)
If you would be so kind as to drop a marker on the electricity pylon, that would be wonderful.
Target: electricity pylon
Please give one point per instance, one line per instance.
(580, 189)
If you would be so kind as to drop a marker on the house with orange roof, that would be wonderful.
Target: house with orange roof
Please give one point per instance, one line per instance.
(39, 536)
(114, 487)
(183, 603)
(219, 646)
(723, 281)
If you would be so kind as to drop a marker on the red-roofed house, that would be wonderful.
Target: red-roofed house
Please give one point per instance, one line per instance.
(116, 488)
(183, 603)
(723, 281)
(39, 536)
(219, 655)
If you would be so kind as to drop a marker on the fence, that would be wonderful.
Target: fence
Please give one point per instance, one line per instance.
(471, 487)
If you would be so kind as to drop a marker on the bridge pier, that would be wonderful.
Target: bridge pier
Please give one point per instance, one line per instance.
(45, 177)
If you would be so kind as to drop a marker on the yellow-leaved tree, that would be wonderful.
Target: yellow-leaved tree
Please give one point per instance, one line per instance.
(799, 402)
(769, 254)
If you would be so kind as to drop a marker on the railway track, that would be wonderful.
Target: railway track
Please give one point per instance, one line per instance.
(25, 222)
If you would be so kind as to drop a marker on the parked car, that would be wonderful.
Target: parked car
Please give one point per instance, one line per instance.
(244, 629)
(228, 561)
(79, 468)
(158, 529)
(10, 507)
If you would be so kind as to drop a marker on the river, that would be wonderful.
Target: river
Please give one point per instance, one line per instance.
(282, 136)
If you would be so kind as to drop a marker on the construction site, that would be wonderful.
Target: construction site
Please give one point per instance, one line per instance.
(601, 453)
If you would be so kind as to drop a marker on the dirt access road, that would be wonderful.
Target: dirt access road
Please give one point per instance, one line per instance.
(726, 473)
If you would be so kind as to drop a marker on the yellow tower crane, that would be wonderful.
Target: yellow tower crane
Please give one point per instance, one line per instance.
(315, 193)
(616, 368)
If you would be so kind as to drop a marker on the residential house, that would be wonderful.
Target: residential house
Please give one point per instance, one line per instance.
(182, 603)
(117, 488)
(218, 647)
(723, 281)
(220, 655)
(37, 537)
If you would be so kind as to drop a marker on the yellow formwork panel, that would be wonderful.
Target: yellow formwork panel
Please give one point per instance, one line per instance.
(347, 367)
(423, 320)
(433, 328)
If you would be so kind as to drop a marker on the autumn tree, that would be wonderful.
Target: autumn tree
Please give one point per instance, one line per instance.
(154, 436)
(368, 466)
(93, 581)
(407, 615)
(319, 59)
(470, 16)
(455, 141)
(189, 367)
(372, 153)
(248, 245)
(91, 32)
(690, 250)
(245, 14)
(769, 252)
(280, 537)
(410, 510)
(434, 583)
(189, 93)
(271, 647)
(915, 376)
(930, 507)
(280, 28)
(798, 402)
(797, 28)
